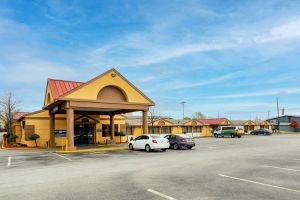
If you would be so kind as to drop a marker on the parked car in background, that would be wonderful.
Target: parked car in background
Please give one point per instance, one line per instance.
(261, 131)
(231, 131)
(149, 142)
(180, 141)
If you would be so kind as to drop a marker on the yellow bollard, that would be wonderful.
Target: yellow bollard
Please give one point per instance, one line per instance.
(66, 145)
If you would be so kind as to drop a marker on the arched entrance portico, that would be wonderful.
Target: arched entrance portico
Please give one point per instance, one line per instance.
(109, 94)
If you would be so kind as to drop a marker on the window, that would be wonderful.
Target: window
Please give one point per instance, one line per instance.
(106, 130)
(144, 137)
(173, 137)
(154, 130)
(166, 129)
(29, 129)
(128, 130)
(187, 129)
(138, 138)
(228, 128)
(197, 129)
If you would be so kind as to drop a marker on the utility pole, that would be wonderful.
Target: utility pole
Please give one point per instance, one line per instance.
(282, 111)
(278, 123)
(183, 102)
(268, 113)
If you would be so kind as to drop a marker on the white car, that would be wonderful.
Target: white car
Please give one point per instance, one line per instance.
(149, 142)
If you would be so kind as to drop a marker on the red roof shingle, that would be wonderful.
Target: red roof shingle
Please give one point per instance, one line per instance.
(18, 115)
(61, 87)
(213, 121)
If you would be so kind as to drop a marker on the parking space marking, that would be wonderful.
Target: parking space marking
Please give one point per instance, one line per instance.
(283, 168)
(259, 183)
(9, 161)
(296, 159)
(61, 156)
(161, 194)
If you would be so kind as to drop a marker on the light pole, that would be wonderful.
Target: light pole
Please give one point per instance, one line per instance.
(278, 123)
(183, 102)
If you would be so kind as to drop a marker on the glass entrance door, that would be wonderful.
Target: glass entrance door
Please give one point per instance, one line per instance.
(84, 134)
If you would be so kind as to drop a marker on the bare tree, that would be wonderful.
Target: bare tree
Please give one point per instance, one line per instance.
(198, 115)
(153, 114)
(8, 105)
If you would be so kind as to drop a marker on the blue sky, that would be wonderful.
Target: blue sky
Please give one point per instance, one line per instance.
(226, 57)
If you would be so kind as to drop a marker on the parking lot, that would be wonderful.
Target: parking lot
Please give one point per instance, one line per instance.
(252, 167)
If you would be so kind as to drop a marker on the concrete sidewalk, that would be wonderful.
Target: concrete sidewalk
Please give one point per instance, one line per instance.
(95, 148)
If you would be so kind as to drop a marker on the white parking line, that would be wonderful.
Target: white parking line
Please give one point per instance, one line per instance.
(297, 159)
(259, 183)
(284, 168)
(61, 156)
(160, 194)
(9, 161)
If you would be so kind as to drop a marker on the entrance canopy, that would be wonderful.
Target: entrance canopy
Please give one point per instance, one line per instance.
(107, 94)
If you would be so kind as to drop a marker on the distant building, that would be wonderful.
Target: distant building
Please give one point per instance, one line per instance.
(285, 123)
(215, 122)
(250, 125)
(167, 125)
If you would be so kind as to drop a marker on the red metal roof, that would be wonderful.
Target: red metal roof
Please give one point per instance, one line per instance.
(60, 87)
(213, 121)
(18, 115)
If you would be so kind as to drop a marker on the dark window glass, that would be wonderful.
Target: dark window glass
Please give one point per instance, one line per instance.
(106, 130)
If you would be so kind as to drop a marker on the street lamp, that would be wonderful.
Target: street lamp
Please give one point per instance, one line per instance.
(183, 102)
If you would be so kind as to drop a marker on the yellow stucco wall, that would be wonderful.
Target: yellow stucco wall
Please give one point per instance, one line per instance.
(91, 90)
(167, 123)
(17, 130)
(205, 132)
(48, 92)
(40, 120)
(137, 131)
(176, 129)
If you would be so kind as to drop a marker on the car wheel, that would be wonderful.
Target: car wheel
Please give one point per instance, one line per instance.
(232, 136)
(176, 146)
(163, 149)
(147, 148)
(216, 135)
(239, 136)
(189, 147)
(131, 147)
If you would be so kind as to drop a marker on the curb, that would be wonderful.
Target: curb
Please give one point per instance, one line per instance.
(93, 150)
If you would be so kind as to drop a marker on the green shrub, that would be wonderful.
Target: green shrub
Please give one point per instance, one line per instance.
(34, 137)
(120, 134)
(11, 137)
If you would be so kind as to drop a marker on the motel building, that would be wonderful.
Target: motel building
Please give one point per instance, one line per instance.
(83, 113)
(167, 125)
(250, 125)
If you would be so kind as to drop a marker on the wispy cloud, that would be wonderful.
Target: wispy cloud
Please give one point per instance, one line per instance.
(190, 84)
(288, 30)
(289, 90)
(148, 52)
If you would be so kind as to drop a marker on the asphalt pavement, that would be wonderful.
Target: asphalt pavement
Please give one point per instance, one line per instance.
(252, 167)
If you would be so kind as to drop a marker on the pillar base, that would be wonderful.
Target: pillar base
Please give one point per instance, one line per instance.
(72, 148)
